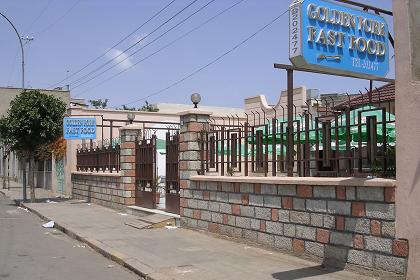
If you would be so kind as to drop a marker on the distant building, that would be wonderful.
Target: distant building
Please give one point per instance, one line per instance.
(309, 100)
(382, 97)
(45, 172)
(7, 94)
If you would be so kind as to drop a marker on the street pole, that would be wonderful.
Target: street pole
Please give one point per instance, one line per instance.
(23, 89)
(290, 149)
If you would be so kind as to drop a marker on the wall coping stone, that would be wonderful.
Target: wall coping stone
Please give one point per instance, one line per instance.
(131, 127)
(313, 181)
(194, 112)
(105, 174)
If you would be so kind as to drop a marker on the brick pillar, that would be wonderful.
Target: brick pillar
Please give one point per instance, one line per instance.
(192, 123)
(128, 136)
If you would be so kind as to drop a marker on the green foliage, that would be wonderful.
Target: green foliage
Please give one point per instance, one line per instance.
(33, 119)
(145, 108)
(126, 108)
(99, 103)
(148, 108)
(230, 171)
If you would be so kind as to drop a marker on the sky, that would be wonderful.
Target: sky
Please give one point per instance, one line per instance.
(67, 35)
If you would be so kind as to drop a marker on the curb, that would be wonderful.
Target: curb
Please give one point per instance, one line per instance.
(16, 201)
(134, 265)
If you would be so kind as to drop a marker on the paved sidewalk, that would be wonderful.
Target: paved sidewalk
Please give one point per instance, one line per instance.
(15, 192)
(175, 253)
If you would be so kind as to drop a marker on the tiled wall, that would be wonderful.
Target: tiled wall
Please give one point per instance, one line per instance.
(338, 224)
(100, 189)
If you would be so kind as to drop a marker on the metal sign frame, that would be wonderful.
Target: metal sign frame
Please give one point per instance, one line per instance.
(332, 37)
(79, 128)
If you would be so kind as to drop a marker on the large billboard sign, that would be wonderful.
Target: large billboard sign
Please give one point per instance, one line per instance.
(334, 38)
(79, 128)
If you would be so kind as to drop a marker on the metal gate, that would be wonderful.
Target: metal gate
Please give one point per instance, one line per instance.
(172, 173)
(146, 172)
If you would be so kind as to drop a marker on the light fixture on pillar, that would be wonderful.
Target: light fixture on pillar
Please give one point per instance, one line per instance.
(130, 117)
(195, 99)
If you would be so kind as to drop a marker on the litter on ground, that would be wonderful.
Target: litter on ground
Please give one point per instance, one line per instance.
(24, 209)
(171, 227)
(50, 224)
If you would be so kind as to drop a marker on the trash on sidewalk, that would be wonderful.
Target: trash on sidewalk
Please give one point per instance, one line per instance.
(123, 214)
(50, 224)
(24, 209)
(50, 201)
(171, 227)
(110, 265)
(79, 246)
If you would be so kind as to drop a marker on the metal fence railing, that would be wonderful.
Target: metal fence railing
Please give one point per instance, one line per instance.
(95, 158)
(358, 142)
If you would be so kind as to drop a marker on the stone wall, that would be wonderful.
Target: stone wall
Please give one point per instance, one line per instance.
(341, 222)
(114, 190)
(101, 188)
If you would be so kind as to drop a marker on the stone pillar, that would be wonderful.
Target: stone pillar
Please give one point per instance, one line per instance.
(128, 136)
(407, 101)
(192, 123)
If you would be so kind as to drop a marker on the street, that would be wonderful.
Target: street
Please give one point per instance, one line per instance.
(29, 251)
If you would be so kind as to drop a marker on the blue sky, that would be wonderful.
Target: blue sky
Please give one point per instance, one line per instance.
(62, 45)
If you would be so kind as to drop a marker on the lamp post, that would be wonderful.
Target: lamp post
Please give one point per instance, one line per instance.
(195, 99)
(23, 89)
(21, 49)
(130, 117)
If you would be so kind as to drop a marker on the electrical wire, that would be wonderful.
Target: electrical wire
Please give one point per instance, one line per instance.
(58, 19)
(26, 31)
(136, 43)
(119, 42)
(164, 47)
(154, 40)
(39, 16)
(208, 64)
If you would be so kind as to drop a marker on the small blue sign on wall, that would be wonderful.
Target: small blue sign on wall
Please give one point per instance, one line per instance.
(335, 38)
(79, 128)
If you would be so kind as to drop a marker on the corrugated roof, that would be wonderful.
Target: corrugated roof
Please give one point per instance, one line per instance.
(381, 94)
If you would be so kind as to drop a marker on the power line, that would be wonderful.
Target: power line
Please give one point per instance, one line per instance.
(160, 36)
(26, 31)
(119, 42)
(136, 43)
(39, 16)
(59, 19)
(164, 47)
(210, 63)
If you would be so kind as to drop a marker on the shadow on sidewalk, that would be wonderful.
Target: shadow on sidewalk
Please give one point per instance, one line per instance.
(304, 272)
(43, 200)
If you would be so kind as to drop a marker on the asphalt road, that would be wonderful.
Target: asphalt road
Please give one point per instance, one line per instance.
(29, 251)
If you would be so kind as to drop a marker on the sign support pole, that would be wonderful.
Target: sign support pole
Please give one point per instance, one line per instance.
(290, 146)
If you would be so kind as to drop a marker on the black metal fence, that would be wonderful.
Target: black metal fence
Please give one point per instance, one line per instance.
(172, 172)
(99, 158)
(358, 142)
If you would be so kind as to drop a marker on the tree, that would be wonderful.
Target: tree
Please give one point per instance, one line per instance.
(99, 103)
(126, 108)
(145, 108)
(34, 119)
(148, 108)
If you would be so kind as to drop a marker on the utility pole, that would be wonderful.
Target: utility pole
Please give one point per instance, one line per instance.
(23, 89)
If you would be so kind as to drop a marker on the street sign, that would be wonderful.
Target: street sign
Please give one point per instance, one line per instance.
(79, 128)
(335, 38)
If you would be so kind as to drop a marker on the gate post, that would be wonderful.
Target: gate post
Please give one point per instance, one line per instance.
(128, 136)
(192, 123)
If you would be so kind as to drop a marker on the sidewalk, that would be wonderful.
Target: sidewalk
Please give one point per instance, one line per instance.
(16, 192)
(175, 253)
